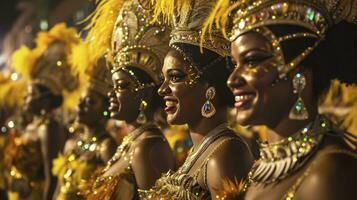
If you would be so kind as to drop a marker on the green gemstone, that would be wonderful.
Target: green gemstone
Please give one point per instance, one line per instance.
(290, 139)
(298, 106)
(310, 14)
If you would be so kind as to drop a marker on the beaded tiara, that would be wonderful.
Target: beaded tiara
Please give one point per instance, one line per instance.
(315, 16)
(125, 31)
(138, 41)
(187, 18)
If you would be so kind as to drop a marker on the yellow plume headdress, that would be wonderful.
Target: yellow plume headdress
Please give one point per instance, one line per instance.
(49, 64)
(187, 18)
(316, 17)
(12, 94)
(130, 38)
(96, 76)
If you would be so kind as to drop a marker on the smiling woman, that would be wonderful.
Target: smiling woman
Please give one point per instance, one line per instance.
(138, 46)
(196, 94)
(285, 62)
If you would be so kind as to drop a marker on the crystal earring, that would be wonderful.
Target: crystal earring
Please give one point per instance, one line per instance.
(299, 110)
(208, 109)
(142, 117)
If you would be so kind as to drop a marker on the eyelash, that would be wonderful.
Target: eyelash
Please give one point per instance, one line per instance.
(121, 86)
(253, 61)
(175, 78)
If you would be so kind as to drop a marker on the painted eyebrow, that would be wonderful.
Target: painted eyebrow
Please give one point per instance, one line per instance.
(257, 49)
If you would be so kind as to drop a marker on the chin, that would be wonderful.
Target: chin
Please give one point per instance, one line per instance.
(175, 119)
(245, 118)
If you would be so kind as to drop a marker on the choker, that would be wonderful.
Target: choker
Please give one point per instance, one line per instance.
(279, 160)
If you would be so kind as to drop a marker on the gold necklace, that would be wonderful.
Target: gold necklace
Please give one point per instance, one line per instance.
(281, 159)
(206, 141)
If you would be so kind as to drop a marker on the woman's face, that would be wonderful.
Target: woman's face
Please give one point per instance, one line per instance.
(91, 107)
(128, 100)
(257, 100)
(183, 102)
(113, 104)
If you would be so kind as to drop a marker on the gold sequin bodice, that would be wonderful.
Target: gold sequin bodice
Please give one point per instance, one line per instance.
(189, 182)
(107, 184)
(77, 166)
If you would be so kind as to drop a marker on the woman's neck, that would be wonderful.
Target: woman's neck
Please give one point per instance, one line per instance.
(200, 129)
(287, 127)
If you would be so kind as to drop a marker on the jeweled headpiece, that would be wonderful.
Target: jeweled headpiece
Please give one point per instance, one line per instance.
(315, 16)
(135, 39)
(139, 42)
(49, 66)
(187, 18)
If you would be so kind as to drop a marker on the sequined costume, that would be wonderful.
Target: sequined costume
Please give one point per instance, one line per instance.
(23, 158)
(12, 95)
(189, 182)
(78, 165)
(122, 184)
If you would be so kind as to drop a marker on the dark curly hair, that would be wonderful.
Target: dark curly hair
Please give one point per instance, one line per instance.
(216, 75)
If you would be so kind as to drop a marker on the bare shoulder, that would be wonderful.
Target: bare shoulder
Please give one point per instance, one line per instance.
(332, 176)
(150, 142)
(231, 160)
(152, 157)
(107, 148)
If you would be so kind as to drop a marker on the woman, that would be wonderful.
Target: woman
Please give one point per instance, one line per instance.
(294, 48)
(195, 93)
(91, 146)
(138, 48)
(29, 158)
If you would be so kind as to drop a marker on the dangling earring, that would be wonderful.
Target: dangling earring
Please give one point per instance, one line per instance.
(208, 109)
(299, 111)
(142, 117)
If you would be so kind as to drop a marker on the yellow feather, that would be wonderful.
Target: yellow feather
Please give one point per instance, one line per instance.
(220, 17)
(101, 26)
(12, 93)
(24, 60)
(166, 9)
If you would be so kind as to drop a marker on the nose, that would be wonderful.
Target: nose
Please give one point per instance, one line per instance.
(164, 89)
(235, 80)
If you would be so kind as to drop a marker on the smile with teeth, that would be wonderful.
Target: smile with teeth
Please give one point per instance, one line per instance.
(243, 97)
(170, 106)
(242, 100)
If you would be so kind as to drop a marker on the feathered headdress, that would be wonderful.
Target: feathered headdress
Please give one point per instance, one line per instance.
(314, 16)
(187, 18)
(12, 94)
(125, 32)
(49, 65)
